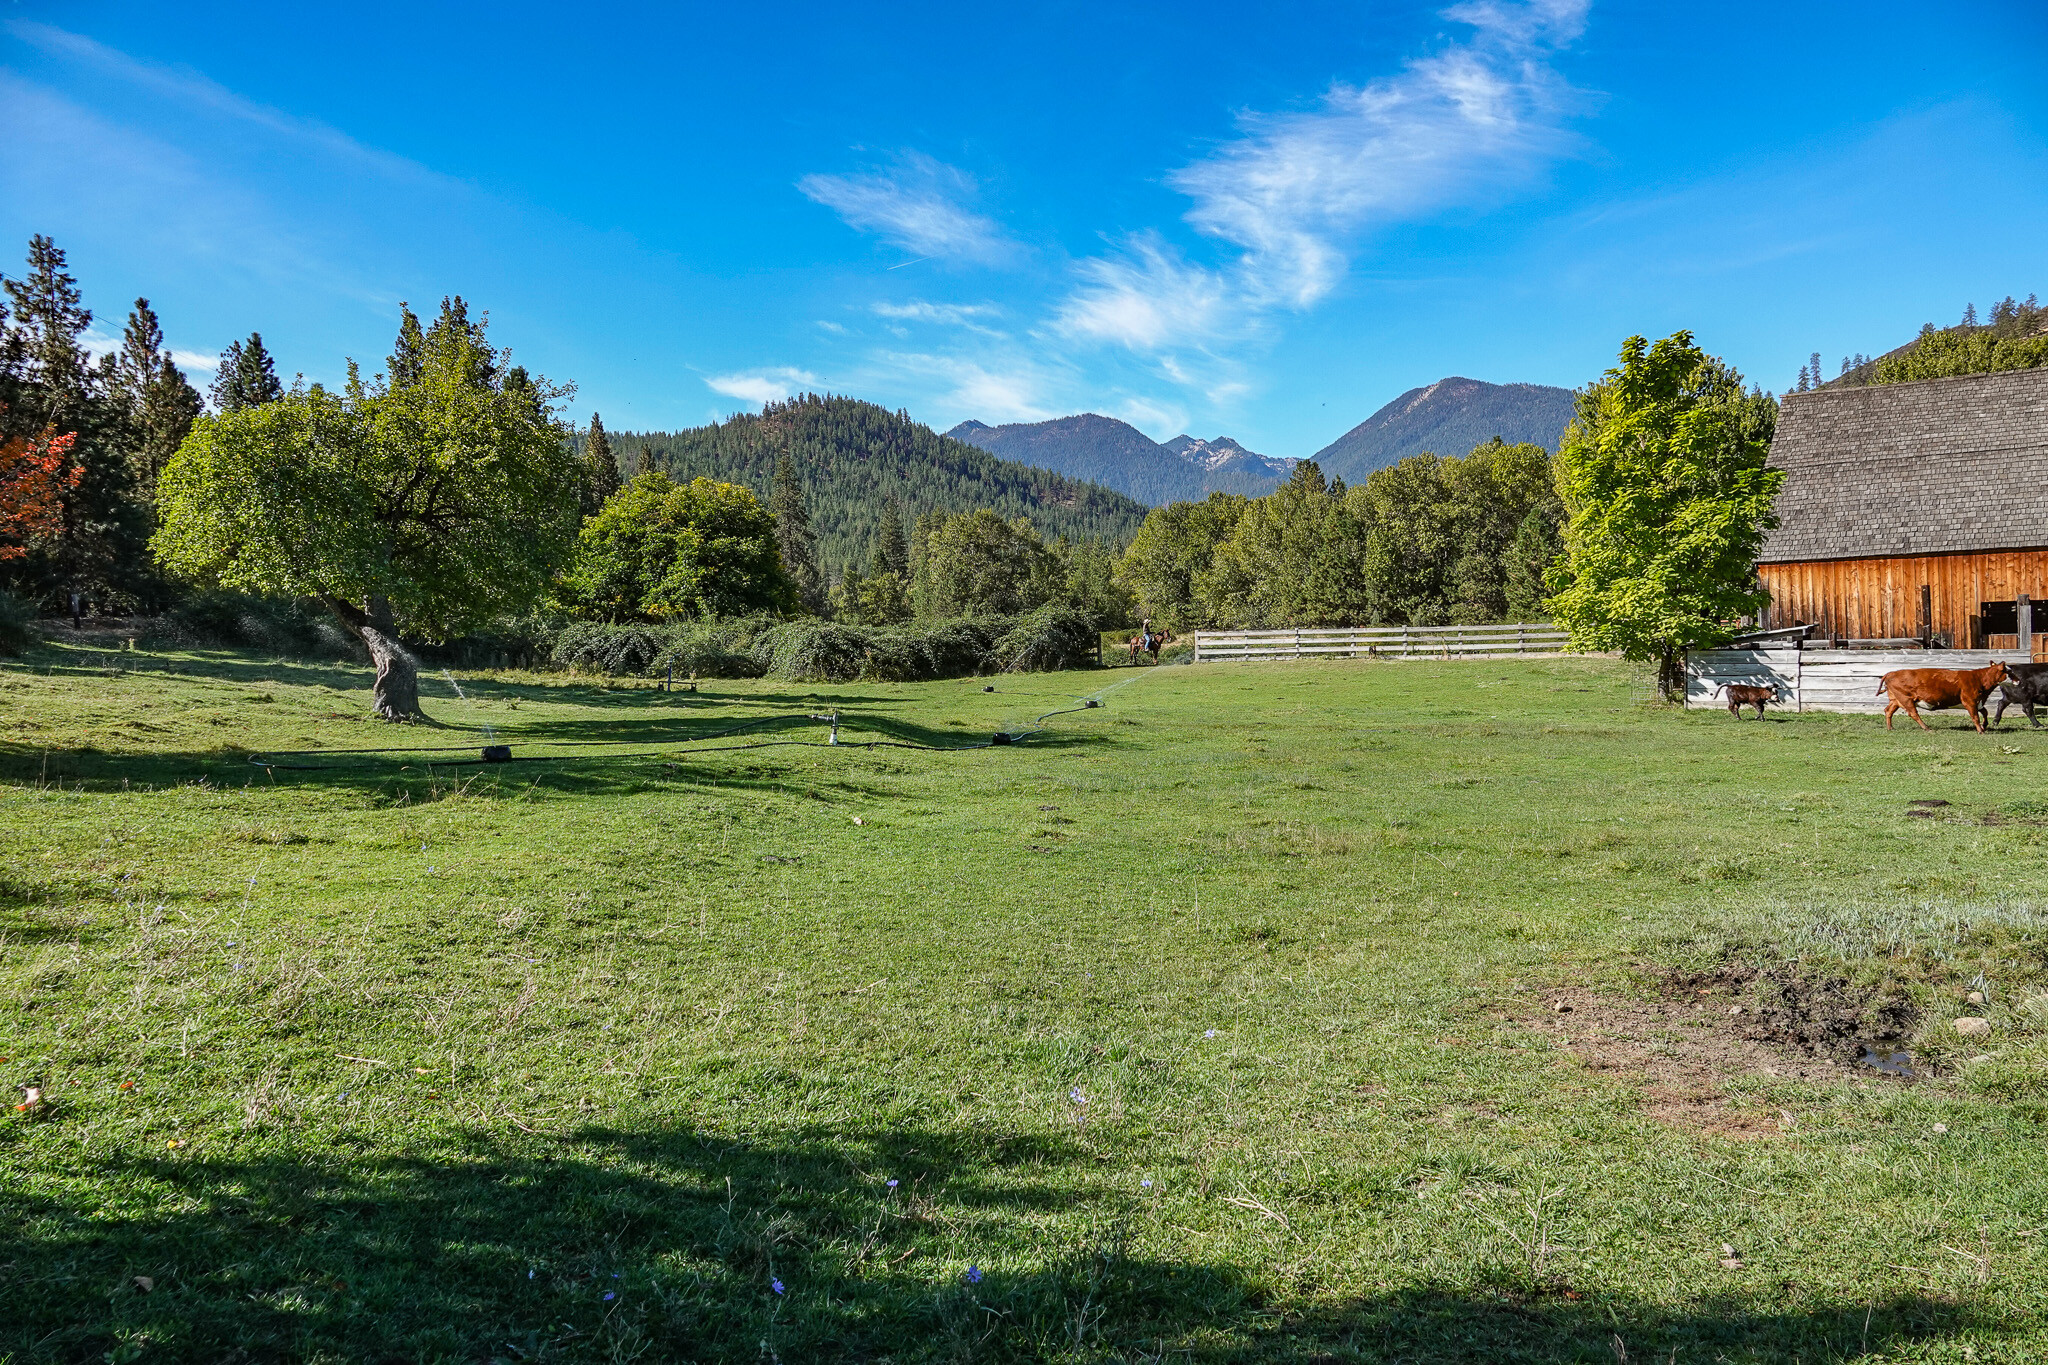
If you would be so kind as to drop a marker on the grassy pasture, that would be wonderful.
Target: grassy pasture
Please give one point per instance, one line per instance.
(1214, 1024)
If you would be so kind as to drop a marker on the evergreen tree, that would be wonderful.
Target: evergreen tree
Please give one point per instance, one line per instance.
(793, 534)
(246, 378)
(601, 470)
(1969, 315)
(892, 552)
(49, 382)
(408, 353)
(161, 404)
(1814, 364)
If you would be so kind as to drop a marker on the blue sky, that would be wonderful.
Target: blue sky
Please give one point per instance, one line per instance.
(1261, 221)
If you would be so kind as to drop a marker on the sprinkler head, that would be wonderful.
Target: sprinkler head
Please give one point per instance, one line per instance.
(497, 753)
(1000, 738)
(1091, 703)
(990, 688)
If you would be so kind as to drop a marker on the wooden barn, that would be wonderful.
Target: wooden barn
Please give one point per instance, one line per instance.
(1914, 514)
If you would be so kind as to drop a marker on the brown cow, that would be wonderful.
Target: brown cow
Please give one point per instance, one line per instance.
(1940, 688)
(1742, 694)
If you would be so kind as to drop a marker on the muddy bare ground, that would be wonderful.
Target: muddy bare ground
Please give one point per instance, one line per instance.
(1709, 1028)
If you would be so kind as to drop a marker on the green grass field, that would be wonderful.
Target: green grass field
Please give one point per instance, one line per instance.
(1213, 1024)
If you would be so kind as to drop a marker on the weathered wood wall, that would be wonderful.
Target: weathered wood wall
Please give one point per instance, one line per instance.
(1818, 679)
(1879, 599)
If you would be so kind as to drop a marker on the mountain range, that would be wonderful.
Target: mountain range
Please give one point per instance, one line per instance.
(1448, 417)
(1117, 455)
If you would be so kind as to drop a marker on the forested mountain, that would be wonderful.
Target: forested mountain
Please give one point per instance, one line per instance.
(1449, 417)
(2013, 337)
(851, 457)
(1117, 455)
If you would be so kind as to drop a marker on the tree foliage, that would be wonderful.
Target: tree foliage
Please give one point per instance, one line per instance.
(601, 468)
(49, 383)
(419, 508)
(246, 377)
(1424, 541)
(34, 477)
(793, 536)
(659, 550)
(1664, 483)
(977, 564)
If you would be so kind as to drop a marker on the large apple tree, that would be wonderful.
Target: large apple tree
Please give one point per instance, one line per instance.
(1665, 480)
(419, 505)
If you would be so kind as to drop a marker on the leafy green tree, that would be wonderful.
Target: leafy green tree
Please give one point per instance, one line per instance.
(1983, 350)
(658, 549)
(1439, 531)
(793, 535)
(422, 509)
(601, 469)
(1295, 558)
(246, 377)
(977, 564)
(1176, 545)
(1663, 478)
(1091, 584)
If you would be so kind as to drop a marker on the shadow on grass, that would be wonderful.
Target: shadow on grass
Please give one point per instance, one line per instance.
(428, 762)
(675, 1245)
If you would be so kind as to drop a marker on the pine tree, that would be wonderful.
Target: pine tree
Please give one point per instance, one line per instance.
(246, 378)
(892, 552)
(51, 382)
(1814, 364)
(601, 470)
(408, 353)
(793, 534)
(161, 404)
(1969, 315)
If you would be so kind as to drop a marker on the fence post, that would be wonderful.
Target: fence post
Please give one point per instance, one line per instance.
(2026, 625)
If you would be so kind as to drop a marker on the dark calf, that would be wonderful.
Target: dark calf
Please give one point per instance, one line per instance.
(2025, 686)
(1743, 694)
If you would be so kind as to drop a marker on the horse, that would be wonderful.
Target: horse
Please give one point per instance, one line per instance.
(1160, 640)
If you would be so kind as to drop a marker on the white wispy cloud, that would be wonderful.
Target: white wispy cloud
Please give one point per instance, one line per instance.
(1147, 297)
(765, 385)
(998, 389)
(195, 360)
(196, 91)
(919, 204)
(965, 316)
(1468, 122)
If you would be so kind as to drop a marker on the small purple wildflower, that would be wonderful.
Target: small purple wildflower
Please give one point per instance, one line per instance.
(609, 1296)
(1076, 1096)
(775, 1285)
(1146, 1183)
(892, 1185)
(1210, 1034)
(974, 1274)
(529, 1274)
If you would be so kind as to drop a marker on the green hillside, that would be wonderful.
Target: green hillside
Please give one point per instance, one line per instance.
(853, 456)
(2013, 337)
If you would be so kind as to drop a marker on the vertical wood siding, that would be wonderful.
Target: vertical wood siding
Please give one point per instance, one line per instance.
(1879, 599)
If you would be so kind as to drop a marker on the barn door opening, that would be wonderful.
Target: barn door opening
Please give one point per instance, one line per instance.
(1998, 624)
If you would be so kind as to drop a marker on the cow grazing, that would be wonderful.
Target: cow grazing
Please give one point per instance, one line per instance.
(1744, 694)
(2025, 686)
(1908, 689)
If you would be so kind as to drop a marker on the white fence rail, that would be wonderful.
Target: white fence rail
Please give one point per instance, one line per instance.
(1841, 680)
(1389, 642)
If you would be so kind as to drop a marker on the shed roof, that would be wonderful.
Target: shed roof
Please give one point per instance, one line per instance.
(1933, 467)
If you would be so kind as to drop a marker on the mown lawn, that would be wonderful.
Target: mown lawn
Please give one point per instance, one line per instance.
(1212, 1024)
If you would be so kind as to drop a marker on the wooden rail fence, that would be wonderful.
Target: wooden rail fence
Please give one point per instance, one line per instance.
(1388, 642)
(1841, 680)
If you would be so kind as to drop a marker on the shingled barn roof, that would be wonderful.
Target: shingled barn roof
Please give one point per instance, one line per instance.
(1932, 467)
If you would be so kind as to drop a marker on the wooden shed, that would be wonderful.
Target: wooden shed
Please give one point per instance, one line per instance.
(1914, 513)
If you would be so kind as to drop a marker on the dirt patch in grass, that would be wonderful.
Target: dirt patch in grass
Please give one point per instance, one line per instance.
(1681, 1052)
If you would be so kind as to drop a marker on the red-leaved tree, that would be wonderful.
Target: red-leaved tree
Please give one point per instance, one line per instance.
(35, 474)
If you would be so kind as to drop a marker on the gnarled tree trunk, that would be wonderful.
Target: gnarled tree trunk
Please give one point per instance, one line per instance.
(396, 695)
